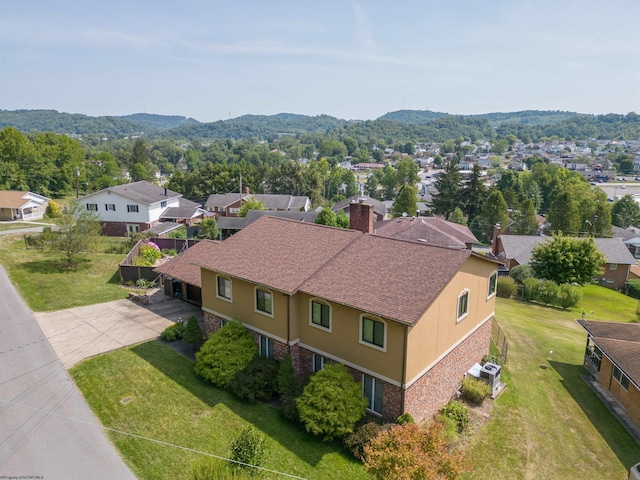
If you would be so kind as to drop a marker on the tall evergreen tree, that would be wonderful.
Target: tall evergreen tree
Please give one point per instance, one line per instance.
(494, 211)
(525, 219)
(474, 194)
(448, 196)
(563, 214)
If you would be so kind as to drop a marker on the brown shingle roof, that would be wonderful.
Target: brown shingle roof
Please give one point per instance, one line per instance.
(392, 278)
(431, 230)
(13, 199)
(278, 253)
(620, 342)
(183, 267)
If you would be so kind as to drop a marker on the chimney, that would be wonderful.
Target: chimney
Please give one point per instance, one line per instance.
(361, 216)
(494, 239)
(165, 191)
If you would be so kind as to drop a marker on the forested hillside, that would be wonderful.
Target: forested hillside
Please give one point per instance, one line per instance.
(159, 122)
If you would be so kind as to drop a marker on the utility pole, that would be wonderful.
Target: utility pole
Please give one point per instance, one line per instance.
(77, 181)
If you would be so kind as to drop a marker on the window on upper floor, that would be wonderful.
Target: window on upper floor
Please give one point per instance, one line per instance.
(132, 208)
(266, 346)
(320, 314)
(373, 391)
(264, 301)
(92, 207)
(224, 288)
(493, 284)
(372, 332)
(463, 305)
(110, 207)
(163, 204)
(613, 266)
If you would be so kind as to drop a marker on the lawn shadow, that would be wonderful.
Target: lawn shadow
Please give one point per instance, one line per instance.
(57, 265)
(115, 278)
(616, 436)
(290, 435)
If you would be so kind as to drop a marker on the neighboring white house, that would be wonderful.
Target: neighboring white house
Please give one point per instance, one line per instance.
(21, 205)
(135, 207)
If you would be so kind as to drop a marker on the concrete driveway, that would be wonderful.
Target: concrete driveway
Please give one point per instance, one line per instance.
(83, 332)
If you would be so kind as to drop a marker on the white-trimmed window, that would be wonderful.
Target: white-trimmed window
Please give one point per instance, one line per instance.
(264, 301)
(318, 362)
(266, 346)
(223, 322)
(373, 391)
(621, 377)
(223, 289)
(163, 204)
(132, 208)
(110, 207)
(234, 210)
(373, 332)
(613, 266)
(493, 285)
(92, 207)
(320, 315)
(463, 305)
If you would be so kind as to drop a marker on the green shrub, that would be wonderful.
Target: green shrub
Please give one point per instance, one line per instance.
(257, 382)
(178, 232)
(249, 449)
(458, 412)
(362, 436)
(150, 252)
(506, 287)
(547, 292)
(192, 333)
(568, 296)
(405, 418)
(492, 358)
(53, 209)
(173, 332)
(215, 469)
(170, 252)
(142, 262)
(332, 403)
(633, 289)
(449, 426)
(530, 289)
(225, 353)
(290, 387)
(520, 273)
(474, 389)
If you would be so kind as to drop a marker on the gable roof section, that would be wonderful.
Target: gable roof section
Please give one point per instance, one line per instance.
(378, 207)
(620, 342)
(270, 201)
(238, 223)
(392, 278)
(430, 230)
(278, 253)
(19, 198)
(519, 247)
(183, 268)
(142, 191)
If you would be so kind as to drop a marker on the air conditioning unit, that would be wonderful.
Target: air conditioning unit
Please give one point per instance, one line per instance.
(490, 373)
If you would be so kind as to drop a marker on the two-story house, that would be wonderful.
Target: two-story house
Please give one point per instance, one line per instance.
(408, 319)
(138, 206)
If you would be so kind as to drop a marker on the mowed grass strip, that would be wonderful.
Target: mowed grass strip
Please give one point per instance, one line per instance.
(168, 402)
(46, 283)
(548, 423)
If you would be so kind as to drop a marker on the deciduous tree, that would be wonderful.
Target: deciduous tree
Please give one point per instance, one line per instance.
(626, 212)
(567, 260)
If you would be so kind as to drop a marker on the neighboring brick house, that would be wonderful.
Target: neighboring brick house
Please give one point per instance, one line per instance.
(21, 205)
(429, 230)
(408, 319)
(516, 250)
(139, 206)
(228, 204)
(612, 357)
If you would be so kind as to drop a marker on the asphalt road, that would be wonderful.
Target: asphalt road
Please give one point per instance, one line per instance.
(46, 428)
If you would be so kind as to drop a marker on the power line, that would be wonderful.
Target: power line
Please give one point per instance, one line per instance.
(142, 437)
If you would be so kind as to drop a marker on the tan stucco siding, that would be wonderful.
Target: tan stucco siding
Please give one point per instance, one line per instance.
(242, 306)
(439, 329)
(343, 341)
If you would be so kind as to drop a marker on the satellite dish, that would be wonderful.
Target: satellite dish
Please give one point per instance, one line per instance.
(404, 214)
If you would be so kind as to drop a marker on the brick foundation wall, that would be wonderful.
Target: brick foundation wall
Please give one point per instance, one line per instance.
(119, 229)
(436, 387)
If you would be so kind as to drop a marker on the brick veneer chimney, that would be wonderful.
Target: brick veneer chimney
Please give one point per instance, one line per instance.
(361, 216)
(494, 240)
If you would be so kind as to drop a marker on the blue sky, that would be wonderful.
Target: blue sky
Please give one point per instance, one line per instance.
(355, 60)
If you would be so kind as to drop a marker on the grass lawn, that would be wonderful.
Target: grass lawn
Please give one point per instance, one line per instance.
(548, 423)
(169, 402)
(15, 226)
(46, 284)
